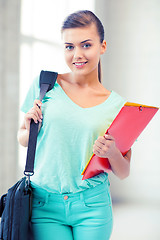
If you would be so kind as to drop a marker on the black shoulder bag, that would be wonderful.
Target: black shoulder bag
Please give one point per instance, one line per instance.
(16, 204)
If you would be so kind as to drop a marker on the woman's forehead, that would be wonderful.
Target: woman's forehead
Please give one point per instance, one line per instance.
(80, 33)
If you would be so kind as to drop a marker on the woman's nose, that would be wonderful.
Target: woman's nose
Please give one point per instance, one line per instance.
(78, 53)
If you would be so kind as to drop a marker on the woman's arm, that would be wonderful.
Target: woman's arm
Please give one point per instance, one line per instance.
(106, 147)
(34, 113)
(23, 135)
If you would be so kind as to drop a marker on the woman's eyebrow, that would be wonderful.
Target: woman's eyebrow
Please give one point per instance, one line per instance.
(68, 43)
(86, 40)
(80, 42)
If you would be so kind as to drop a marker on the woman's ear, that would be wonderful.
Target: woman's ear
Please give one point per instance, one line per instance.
(103, 46)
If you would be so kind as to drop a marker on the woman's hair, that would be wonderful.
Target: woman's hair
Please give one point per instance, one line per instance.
(85, 18)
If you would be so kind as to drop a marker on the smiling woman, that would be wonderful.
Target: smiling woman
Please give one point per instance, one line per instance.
(87, 20)
(83, 48)
(69, 135)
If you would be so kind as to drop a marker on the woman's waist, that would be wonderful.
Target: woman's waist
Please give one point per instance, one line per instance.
(42, 192)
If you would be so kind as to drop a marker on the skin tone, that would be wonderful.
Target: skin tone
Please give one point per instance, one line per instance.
(82, 51)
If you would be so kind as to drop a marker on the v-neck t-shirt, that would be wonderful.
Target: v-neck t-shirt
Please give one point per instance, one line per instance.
(66, 138)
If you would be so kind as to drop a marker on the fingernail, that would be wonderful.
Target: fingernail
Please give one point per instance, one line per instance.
(41, 116)
(39, 104)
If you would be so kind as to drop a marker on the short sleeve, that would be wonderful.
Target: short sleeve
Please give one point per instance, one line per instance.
(33, 93)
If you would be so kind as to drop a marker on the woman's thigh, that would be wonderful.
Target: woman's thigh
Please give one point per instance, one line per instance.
(48, 218)
(95, 219)
(51, 231)
(88, 232)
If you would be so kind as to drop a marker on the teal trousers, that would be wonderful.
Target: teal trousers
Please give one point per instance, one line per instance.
(86, 215)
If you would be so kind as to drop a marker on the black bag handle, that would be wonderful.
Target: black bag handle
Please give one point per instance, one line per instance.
(46, 81)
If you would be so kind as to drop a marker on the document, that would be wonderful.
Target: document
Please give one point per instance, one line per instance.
(125, 128)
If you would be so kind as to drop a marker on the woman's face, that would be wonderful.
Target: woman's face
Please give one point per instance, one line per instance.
(82, 49)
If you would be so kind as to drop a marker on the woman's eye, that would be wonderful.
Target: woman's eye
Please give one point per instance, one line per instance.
(87, 45)
(69, 47)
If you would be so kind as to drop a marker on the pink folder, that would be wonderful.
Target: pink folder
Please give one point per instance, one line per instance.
(125, 128)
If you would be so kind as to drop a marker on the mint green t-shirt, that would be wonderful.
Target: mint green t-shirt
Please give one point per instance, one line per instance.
(66, 138)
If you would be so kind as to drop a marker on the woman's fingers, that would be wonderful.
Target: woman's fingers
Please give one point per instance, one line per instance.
(103, 144)
(103, 140)
(37, 103)
(97, 152)
(37, 112)
(37, 106)
(34, 113)
(109, 137)
(98, 144)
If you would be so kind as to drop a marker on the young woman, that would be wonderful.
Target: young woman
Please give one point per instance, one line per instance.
(74, 116)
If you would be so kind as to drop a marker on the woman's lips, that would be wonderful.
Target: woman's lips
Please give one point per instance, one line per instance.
(79, 64)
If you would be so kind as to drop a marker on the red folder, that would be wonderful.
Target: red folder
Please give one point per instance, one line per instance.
(125, 128)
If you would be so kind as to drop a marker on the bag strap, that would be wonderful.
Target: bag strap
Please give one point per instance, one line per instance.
(46, 81)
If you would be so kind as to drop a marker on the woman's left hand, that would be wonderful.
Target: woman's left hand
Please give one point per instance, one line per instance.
(105, 147)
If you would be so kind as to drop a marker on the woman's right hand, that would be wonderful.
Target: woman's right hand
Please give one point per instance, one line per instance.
(34, 113)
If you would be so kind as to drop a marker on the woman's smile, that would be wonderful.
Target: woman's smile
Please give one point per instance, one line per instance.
(79, 65)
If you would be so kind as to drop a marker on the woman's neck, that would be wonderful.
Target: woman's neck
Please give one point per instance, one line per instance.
(85, 80)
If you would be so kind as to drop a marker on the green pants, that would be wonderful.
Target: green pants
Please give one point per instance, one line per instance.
(86, 215)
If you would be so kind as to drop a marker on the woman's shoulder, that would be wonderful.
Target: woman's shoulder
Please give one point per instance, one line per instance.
(63, 76)
(117, 99)
(104, 90)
